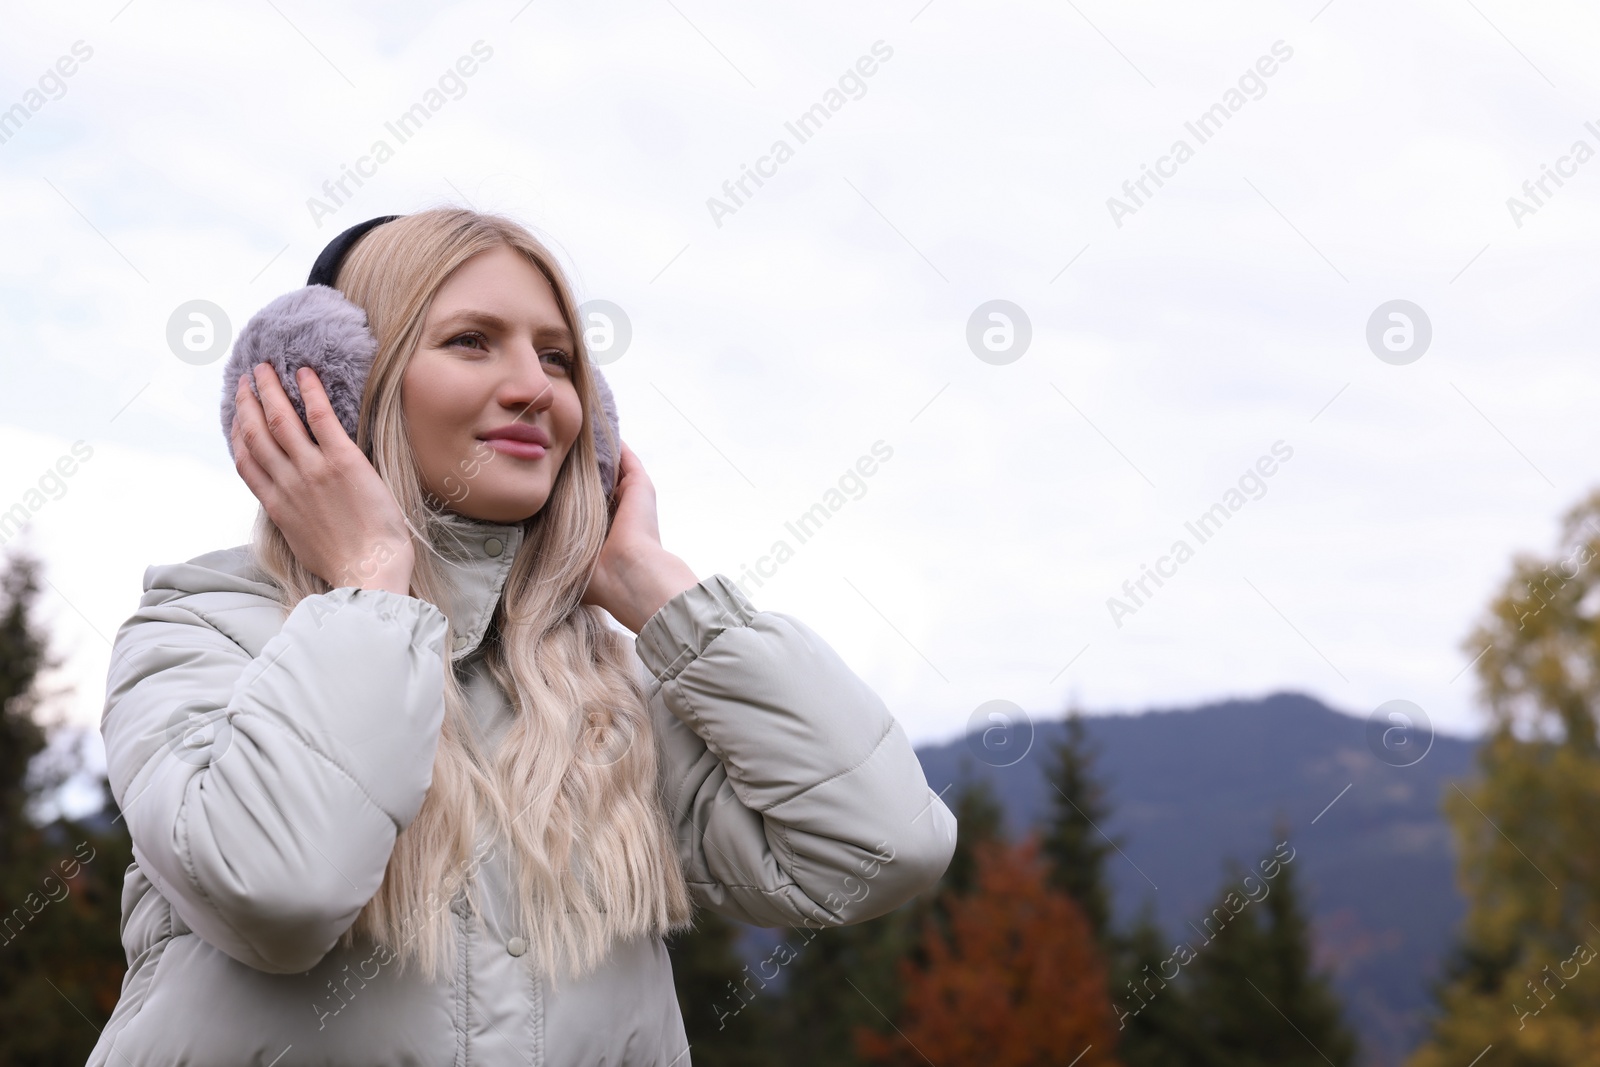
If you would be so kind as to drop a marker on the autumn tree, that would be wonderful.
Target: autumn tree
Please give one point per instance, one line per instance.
(1017, 981)
(845, 978)
(1524, 975)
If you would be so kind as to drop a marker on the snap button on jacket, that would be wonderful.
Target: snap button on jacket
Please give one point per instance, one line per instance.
(265, 765)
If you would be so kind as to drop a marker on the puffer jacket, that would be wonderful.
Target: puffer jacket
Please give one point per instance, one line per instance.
(266, 764)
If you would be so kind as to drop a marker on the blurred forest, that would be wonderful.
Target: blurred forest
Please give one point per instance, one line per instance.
(61, 960)
(1015, 957)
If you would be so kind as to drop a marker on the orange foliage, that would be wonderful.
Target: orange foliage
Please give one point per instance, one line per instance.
(1018, 983)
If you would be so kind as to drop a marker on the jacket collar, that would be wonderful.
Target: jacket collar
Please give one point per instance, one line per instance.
(476, 556)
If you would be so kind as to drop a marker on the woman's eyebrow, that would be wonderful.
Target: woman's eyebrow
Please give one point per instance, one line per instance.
(495, 322)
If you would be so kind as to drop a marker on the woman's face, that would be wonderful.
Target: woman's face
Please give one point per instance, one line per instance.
(489, 396)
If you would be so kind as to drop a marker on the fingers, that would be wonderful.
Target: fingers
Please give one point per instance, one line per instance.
(249, 440)
(282, 420)
(250, 472)
(252, 439)
(627, 461)
(630, 466)
(325, 425)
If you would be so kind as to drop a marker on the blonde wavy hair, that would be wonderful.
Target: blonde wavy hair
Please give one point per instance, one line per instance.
(572, 788)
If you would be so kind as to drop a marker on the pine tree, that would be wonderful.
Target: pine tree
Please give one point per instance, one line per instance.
(61, 958)
(979, 818)
(1528, 828)
(840, 979)
(1075, 844)
(1228, 953)
(1303, 994)
(22, 657)
(1155, 1016)
(725, 1011)
(1257, 999)
(1154, 1031)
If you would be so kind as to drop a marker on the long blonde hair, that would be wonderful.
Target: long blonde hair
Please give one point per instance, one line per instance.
(572, 787)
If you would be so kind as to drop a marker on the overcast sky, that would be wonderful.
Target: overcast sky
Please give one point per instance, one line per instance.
(1356, 153)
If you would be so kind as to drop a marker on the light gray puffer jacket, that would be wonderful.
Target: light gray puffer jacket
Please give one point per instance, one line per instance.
(265, 765)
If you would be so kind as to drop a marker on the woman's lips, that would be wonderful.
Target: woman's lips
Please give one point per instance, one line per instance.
(512, 447)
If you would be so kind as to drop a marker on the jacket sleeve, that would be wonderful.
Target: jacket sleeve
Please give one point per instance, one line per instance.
(264, 794)
(795, 795)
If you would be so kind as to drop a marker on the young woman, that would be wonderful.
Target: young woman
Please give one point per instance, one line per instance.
(398, 791)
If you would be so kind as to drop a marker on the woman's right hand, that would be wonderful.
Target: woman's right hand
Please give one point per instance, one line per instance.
(335, 511)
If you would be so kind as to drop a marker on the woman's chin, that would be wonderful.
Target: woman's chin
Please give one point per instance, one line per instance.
(506, 510)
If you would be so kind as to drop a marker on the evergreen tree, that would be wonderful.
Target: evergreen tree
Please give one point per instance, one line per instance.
(1155, 1017)
(841, 979)
(1528, 828)
(725, 1012)
(61, 959)
(1154, 1031)
(1257, 999)
(979, 817)
(1302, 993)
(1074, 842)
(22, 657)
(1228, 953)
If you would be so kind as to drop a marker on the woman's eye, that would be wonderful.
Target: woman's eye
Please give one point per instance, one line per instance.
(477, 342)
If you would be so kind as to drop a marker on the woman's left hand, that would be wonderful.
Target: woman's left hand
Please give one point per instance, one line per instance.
(635, 576)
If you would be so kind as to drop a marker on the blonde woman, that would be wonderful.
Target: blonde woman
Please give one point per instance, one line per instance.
(399, 792)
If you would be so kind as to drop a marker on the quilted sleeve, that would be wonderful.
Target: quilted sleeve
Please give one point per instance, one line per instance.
(264, 793)
(795, 794)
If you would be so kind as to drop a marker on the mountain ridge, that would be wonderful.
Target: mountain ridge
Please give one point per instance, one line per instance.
(1189, 789)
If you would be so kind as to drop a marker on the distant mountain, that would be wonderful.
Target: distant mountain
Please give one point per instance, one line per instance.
(1189, 788)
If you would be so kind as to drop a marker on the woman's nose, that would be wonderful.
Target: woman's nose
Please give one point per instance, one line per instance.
(527, 385)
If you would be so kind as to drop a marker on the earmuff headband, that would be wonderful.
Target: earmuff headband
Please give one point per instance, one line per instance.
(326, 268)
